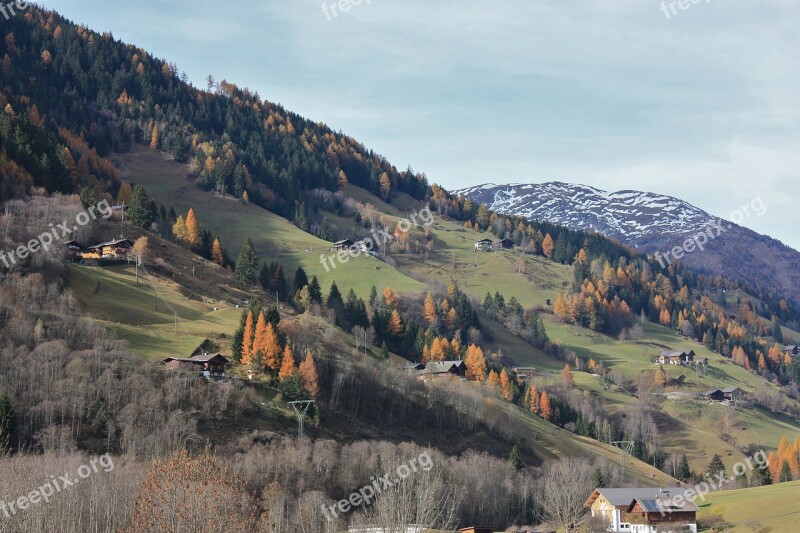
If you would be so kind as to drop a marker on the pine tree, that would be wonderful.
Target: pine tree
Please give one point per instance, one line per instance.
(598, 480)
(308, 375)
(300, 279)
(314, 290)
(515, 458)
(139, 212)
(247, 265)
(373, 295)
(684, 472)
(287, 365)
(716, 466)
(7, 425)
(786, 472)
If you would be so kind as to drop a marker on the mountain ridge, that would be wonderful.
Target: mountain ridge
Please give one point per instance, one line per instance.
(650, 222)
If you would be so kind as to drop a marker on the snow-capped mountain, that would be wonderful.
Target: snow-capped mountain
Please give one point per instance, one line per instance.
(652, 223)
(637, 218)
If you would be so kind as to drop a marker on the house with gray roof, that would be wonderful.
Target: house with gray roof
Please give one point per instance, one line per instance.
(644, 509)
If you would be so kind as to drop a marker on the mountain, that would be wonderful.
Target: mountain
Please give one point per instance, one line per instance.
(653, 223)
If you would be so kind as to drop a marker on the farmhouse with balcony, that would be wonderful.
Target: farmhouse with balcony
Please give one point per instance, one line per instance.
(644, 510)
(211, 366)
(115, 250)
(483, 244)
(676, 357)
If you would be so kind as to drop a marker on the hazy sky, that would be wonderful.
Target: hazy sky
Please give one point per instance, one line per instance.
(703, 105)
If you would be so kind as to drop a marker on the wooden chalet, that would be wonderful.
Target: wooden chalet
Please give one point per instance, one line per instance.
(525, 373)
(644, 509)
(210, 365)
(731, 394)
(483, 244)
(413, 367)
(73, 250)
(791, 349)
(344, 244)
(443, 368)
(676, 357)
(504, 244)
(713, 395)
(115, 250)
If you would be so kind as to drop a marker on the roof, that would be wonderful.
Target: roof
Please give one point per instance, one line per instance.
(112, 243)
(789, 348)
(412, 366)
(665, 504)
(675, 353)
(730, 389)
(484, 241)
(441, 367)
(505, 240)
(343, 241)
(202, 358)
(711, 391)
(622, 497)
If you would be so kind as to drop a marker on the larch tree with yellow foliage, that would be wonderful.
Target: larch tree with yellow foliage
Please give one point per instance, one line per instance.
(494, 378)
(396, 324)
(216, 252)
(545, 409)
(506, 387)
(287, 365)
(560, 307)
(533, 400)
(259, 339)
(192, 229)
(308, 375)
(548, 246)
(569, 379)
(437, 351)
(476, 363)
(429, 309)
(271, 349)
(247, 340)
(179, 229)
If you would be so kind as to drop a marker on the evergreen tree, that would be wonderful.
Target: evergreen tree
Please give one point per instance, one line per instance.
(598, 480)
(139, 212)
(314, 290)
(684, 472)
(87, 197)
(300, 279)
(786, 472)
(247, 265)
(716, 466)
(373, 295)
(515, 458)
(7, 425)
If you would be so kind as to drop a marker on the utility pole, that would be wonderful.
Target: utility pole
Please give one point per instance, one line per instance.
(625, 447)
(300, 409)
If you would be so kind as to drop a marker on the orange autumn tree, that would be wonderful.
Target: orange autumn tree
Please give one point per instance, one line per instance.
(192, 229)
(546, 410)
(533, 400)
(389, 296)
(247, 341)
(429, 309)
(569, 379)
(494, 379)
(476, 363)
(287, 366)
(396, 324)
(216, 252)
(271, 353)
(437, 351)
(308, 375)
(505, 385)
(548, 246)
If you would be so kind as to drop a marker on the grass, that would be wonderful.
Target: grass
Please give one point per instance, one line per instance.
(274, 237)
(772, 506)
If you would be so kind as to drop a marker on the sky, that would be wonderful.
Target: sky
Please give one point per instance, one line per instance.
(698, 103)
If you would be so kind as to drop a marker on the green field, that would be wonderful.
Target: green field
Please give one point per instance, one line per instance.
(275, 237)
(769, 508)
